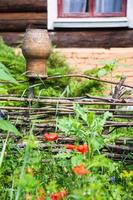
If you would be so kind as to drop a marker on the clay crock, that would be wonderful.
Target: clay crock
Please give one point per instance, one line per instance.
(36, 48)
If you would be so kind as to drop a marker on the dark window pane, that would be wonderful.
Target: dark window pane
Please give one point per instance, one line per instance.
(108, 6)
(75, 6)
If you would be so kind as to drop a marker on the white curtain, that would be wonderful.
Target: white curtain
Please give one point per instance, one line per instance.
(72, 6)
(108, 6)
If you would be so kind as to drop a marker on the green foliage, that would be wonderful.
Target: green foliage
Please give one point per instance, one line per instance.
(3, 151)
(24, 171)
(56, 61)
(15, 63)
(86, 127)
(26, 175)
(12, 64)
(120, 133)
(28, 183)
(56, 66)
(102, 71)
(95, 87)
(81, 88)
(5, 74)
(7, 126)
(78, 88)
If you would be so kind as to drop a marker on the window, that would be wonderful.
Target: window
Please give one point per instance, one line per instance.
(90, 13)
(92, 8)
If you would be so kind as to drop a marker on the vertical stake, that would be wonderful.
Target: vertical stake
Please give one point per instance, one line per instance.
(31, 88)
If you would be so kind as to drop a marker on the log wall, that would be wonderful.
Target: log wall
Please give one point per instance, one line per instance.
(20, 21)
(17, 15)
(87, 39)
(23, 5)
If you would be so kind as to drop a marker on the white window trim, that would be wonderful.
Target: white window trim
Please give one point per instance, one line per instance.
(91, 22)
(99, 22)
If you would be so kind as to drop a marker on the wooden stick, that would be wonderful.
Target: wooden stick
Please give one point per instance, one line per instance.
(88, 77)
(120, 148)
(68, 102)
(117, 156)
(116, 95)
(119, 124)
(61, 110)
(83, 98)
(79, 76)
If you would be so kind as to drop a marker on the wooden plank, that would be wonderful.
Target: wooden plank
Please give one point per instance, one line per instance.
(20, 21)
(23, 5)
(22, 16)
(87, 39)
(97, 38)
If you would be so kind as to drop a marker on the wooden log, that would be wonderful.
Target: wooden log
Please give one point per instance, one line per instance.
(20, 21)
(93, 38)
(23, 5)
(12, 38)
(85, 39)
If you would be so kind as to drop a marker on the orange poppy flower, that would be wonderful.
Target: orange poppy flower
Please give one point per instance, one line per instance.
(80, 170)
(50, 136)
(70, 146)
(82, 148)
(59, 195)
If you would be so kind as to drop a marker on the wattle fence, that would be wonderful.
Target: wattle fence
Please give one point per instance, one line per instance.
(40, 113)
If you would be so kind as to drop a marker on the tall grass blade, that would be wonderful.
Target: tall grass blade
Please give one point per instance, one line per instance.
(3, 151)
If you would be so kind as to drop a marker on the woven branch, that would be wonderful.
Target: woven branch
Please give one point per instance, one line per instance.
(88, 77)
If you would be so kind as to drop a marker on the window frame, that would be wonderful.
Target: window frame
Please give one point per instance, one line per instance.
(91, 12)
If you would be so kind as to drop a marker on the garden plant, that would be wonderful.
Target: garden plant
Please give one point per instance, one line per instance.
(48, 169)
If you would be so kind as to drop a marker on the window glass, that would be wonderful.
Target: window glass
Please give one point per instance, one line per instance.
(108, 6)
(75, 6)
(92, 8)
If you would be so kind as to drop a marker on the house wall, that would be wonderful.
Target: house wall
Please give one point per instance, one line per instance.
(84, 59)
(17, 15)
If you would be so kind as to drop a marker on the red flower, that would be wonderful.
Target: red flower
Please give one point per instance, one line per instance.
(82, 148)
(50, 137)
(59, 195)
(70, 146)
(80, 170)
